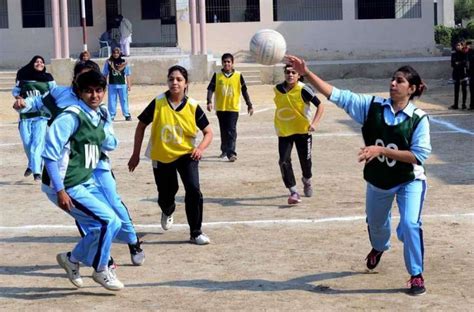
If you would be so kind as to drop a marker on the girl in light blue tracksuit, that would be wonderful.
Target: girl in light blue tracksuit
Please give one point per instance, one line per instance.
(118, 72)
(397, 143)
(32, 80)
(52, 104)
(72, 152)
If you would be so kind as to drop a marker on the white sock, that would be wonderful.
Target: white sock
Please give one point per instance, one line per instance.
(292, 189)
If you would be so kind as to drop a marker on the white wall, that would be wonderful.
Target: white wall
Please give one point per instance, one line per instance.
(18, 45)
(346, 39)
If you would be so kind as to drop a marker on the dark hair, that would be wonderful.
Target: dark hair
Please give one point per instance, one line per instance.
(227, 56)
(414, 79)
(29, 72)
(81, 65)
(91, 78)
(84, 53)
(181, 69)
(289, 65)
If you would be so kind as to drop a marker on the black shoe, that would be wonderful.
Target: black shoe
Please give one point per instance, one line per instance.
(373, 258)
(128, 118)
(464, 107)
(28, 172)
(417, 286)
(37, 177)
(453, 107)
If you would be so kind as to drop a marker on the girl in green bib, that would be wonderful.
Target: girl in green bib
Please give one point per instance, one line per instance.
(32, 80)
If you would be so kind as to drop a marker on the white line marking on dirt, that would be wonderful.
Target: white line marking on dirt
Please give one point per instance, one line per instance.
(266, 137)
(244, 113)
(226, 223)
(450, 126)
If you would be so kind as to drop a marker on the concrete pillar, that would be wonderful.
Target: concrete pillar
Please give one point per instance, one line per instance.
(56, 28)
(192, 21)
(202, 26)
(348, 10)
(65, 28)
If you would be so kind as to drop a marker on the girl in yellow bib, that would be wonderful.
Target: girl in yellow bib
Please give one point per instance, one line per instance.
(228, 85)
(175, 121)
(294, 125)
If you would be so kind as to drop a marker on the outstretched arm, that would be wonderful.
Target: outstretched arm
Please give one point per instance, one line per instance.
(300, 66)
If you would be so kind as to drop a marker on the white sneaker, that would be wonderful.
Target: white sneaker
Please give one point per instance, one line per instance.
(202, 239)
(112, 270)
(108, 280)
(71, 268)
(166, 221)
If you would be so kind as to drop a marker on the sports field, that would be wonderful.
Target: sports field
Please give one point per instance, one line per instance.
(264, 254)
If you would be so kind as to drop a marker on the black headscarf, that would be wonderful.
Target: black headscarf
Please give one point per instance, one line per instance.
(117, 61)
(28, 72)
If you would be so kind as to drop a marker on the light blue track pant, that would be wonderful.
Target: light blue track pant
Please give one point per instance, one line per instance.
(33, 134)
(410, 197)
(108, 187)
(100, 219)
(121, 91)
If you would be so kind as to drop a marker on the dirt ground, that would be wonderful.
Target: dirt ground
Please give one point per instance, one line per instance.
(264, 255)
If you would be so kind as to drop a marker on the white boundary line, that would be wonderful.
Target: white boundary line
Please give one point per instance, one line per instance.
(274, 137)
(450, 126)
(227, 223)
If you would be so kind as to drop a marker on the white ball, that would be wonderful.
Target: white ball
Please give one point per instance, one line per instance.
(268, 46)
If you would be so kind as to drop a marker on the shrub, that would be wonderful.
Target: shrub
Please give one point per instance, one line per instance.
(457, 34)
(443, 35)
(470, 30)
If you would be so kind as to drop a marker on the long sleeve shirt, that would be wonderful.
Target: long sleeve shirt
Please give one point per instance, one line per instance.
(57, 138)
(357, 107)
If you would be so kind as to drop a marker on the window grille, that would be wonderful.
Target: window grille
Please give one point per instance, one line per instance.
(3, 14)
(231, 11)
(388, 9)
(37, 13)
(307, 10)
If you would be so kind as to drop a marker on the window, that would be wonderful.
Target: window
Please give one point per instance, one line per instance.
(3, 14)
(37, 13)
(150, 9)
(307, 10)
(386, 9)
(33, 13)
(226, 11)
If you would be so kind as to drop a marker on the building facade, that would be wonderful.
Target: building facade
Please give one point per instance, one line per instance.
(315, 29)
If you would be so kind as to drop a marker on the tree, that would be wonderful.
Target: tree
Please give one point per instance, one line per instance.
(463, 10)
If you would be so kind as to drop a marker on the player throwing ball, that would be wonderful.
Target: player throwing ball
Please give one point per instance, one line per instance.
(397, 143)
